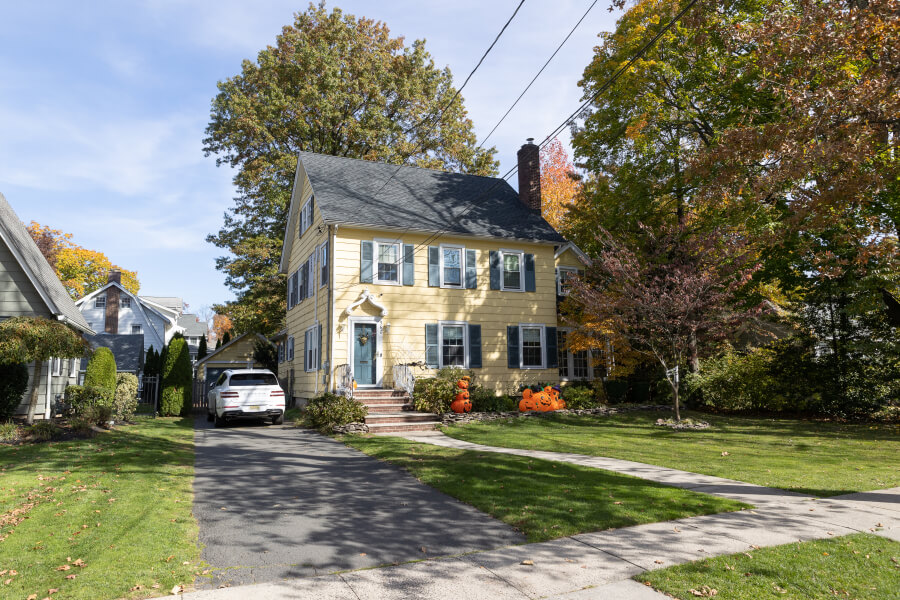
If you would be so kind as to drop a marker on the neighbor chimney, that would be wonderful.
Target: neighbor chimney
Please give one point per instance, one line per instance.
(112, 302)
(529, 156)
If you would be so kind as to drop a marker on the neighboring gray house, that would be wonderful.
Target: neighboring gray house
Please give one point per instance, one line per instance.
(114, 310)
(29, 287)
(192, 328)
(128, 350)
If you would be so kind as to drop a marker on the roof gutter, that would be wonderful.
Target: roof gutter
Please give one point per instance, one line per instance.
(368, 227)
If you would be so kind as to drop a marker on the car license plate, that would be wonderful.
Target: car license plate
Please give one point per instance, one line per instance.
(254, 408)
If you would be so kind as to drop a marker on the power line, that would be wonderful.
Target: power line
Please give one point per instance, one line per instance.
(527, 87)
(606, 85)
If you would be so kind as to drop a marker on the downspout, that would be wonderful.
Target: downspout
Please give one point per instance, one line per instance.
(332, 231)
(316, 314)
(49, 381)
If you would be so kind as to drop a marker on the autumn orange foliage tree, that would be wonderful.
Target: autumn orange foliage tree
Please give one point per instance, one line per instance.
(81, 270)
(559, 183)
(221, 325)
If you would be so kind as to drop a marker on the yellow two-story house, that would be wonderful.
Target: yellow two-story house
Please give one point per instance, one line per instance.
(397, 272)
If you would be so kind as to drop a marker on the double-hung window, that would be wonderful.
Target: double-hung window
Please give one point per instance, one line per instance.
(511, 264)
(306, 215)
(100, 302)
(136, 329)
(323, 264)
(125, 302)
(311, 344)
(532, 346)
(57, 366)
(387, 262)
(453, 344)
(452, 266)
(564, 275)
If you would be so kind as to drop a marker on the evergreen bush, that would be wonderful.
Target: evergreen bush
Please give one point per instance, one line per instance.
(13, 383)
(328, 410)
(101, 370)
(177, 375)
(82, 399)
(125, 402)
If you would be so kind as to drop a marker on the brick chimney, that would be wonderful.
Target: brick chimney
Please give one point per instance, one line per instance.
(529, 156)
(112, 302)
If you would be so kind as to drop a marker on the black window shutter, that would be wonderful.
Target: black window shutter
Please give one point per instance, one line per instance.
(552, 354)
(365, 262)
(434, 266)
(290, 286)
(324, 264)
(409, 265)
(319, 346)
(471, 271)
(495, 270)
(474, 346)
(512, 346)
(529, 273)
(304, 282)
(305, 360)
(431, 345)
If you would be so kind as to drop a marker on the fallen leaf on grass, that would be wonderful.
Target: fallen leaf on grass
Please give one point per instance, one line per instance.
(79, 563)
(71, 576)
(32, 597)
(155, 586)
(725, 453)
(63, 568)
(52, 590)
(527, 562)
(136, 588)
(178, 589)
(705, 592)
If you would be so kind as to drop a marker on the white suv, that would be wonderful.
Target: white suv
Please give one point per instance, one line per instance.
(246, 393)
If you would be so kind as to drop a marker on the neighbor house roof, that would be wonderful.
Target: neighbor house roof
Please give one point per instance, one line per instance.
(127, 348)
(192, 326)
(38, 270)
(172, 303)
(351, 191)
(230, 343)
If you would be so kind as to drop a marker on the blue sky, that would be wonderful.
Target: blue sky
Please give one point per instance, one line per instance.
(103, 105)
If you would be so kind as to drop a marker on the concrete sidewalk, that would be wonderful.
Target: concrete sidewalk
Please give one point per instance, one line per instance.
(600, 565)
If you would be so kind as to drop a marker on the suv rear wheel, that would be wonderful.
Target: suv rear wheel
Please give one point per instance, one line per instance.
(218, 421)
(278, 420)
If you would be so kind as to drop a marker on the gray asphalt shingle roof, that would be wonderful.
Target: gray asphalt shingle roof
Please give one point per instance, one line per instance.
(192, 327)
(127, 348)
(421, 199)
(14, 230)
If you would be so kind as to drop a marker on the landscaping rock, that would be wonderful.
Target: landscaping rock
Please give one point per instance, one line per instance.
(351, 428)
(475, 417)
(687, 424)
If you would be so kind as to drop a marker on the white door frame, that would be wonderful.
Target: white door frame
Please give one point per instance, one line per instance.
(379, 368)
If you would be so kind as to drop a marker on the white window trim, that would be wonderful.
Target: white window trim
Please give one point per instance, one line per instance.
(543, 329)
(100, 302)
(323, 251)
(559, 272)
(375, 279)
(73, 368)
(56, 366)
(140, 329)
(311, 339)
(305, 220)
(465, 326)
(462, 266)
(125, 302)
(521, 255)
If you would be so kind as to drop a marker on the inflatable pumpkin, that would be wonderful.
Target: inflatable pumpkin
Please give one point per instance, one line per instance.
(528, 402)
(461, 404)
(463, 383)
(463, 395)
(545, 402)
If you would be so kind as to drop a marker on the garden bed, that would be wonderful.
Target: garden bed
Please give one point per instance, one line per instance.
(476, 417)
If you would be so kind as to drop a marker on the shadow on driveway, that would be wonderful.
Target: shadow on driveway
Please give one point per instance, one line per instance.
(277, 502)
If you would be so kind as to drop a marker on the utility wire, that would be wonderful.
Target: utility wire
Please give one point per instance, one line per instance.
(527, 87)
(606, 85)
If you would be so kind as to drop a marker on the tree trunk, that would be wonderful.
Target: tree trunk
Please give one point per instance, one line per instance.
(695, 356)
(35, 388)
(677, 407)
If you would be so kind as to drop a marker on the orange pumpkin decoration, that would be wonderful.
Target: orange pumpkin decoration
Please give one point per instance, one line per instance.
(463, 383)
(544, 401)
(463, 395)
(461, 404)
(528, 402)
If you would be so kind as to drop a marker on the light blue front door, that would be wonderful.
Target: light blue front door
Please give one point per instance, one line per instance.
(364, 344)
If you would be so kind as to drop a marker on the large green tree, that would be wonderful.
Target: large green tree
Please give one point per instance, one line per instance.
(335, 84)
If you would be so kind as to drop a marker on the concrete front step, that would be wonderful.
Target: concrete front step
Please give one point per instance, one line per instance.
(388, 428)
(404, 417)
(379, 392)
(383, 400)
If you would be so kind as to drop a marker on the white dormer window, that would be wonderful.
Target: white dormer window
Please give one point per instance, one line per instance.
(125, 302)
(100, 302)
(136, 329)
(564, 275)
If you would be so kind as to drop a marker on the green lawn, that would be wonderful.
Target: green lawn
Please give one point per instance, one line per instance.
(822, 459)
(861, 566)
(542, 499)
(120, 503)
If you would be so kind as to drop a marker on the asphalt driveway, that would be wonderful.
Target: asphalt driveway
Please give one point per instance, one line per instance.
(276, 502)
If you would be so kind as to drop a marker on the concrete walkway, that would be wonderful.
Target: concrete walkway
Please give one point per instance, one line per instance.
(600, 565)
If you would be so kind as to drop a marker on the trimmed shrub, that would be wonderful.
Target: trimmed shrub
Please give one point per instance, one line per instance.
(582, 395)
(433, 395)
(83, 399)
(125, 401)
(485, 400)
(43, 431)
(9, 431)
(101, 370)
(328, 410)
(177, 375)
(13, 384)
